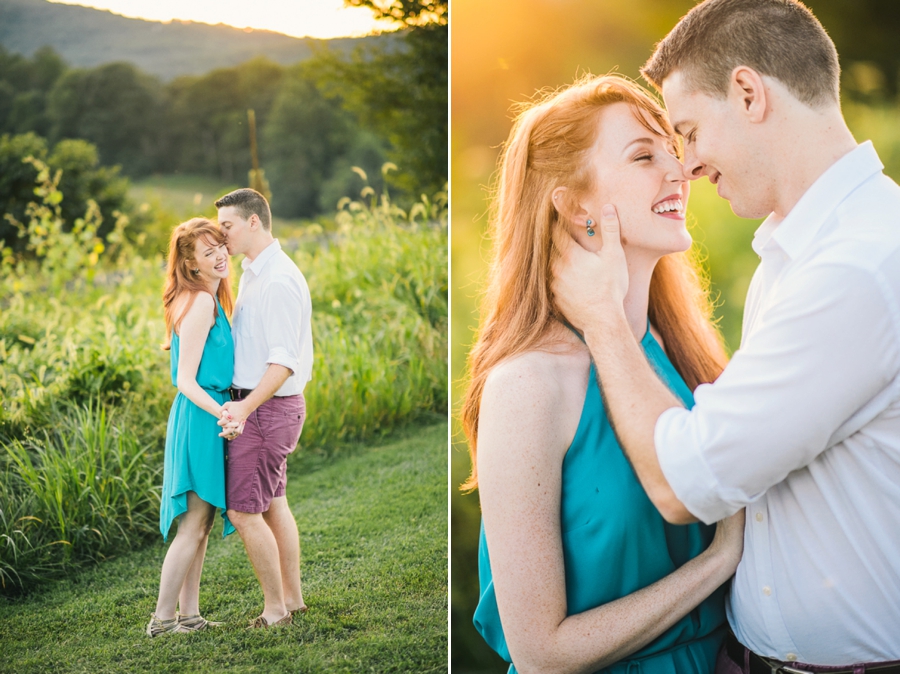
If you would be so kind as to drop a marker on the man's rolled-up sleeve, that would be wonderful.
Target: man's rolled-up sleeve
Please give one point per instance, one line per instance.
(825, 348)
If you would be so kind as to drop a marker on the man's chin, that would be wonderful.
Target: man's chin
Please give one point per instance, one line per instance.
(747, 211)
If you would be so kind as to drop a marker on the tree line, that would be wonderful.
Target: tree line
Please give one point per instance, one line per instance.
(315, 120)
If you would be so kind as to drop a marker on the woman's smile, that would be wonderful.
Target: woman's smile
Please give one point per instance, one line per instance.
(671, 207)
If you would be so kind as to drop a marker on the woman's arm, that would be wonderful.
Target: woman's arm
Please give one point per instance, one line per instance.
(524, 430)
(194, 329)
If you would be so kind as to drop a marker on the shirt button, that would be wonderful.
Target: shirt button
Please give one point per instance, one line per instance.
(759, 517)
(791, 657)
(767, 590)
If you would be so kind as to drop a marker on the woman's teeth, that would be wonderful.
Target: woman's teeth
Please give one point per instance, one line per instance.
(667, 206)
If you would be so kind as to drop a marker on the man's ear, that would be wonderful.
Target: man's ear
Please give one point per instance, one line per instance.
(254, 222)
(570, 209)
(748, 90)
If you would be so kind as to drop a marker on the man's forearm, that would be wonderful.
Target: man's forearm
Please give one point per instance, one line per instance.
(272, 380)
(635, 398)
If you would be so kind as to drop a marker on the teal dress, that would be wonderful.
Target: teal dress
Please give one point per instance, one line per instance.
(195, 454)
(615, 542)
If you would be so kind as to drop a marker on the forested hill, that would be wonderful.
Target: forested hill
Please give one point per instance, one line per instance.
(87, 37)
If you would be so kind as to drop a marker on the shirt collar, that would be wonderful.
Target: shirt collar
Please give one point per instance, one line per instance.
(267, 254)
(800, 226)
(764, 232)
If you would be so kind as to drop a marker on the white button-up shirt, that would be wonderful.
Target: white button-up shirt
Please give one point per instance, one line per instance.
(803, 428)
(272, 322)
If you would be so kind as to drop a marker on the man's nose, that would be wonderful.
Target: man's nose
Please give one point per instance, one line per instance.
(693, 167)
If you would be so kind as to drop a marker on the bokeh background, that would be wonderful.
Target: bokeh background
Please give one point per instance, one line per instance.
(505, 50)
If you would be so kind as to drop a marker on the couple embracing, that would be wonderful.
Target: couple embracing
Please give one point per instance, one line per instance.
(240, 383)
(603, 416)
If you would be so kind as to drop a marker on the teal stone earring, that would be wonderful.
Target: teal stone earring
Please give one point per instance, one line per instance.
(590, 230)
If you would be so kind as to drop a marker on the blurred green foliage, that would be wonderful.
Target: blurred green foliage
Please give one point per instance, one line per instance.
(82, 180)
(496, 62)
(117, 108)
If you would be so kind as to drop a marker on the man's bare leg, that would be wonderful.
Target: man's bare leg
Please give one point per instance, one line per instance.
(262, 549)
(284, 527)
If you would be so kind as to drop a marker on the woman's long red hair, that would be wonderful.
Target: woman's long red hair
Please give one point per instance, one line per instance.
(548, 147)
(180, 277)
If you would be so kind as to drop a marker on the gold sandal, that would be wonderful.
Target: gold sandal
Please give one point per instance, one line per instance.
(264, 624)
(157, 627)
(196, 622)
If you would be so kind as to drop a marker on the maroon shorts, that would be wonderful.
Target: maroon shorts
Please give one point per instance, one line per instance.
(256, 463)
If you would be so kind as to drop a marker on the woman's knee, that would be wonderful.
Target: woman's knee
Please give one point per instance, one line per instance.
(198, 521)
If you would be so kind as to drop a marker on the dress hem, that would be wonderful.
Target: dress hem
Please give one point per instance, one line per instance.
(226, 531)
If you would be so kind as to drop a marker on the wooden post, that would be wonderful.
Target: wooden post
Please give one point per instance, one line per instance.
(257, 180)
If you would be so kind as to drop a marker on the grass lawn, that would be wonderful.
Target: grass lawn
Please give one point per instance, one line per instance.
(186, 196)
(373, 531)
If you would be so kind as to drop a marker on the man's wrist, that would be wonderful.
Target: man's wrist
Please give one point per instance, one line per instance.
(605, 317)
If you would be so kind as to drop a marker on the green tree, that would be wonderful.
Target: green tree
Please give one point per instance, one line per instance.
(24, 84)
(406, 12)
(401, 94)
(17, 181)
(207, 118)
(307, 138)
(117, 108)
(83, 179)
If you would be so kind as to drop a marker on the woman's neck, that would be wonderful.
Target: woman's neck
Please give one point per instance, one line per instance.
(213, 286)
(637, 299)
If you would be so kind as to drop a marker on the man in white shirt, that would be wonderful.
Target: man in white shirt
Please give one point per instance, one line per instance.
(273, 355)
(803, 427)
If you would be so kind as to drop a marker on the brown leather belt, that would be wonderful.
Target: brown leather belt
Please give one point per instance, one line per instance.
(760, 665)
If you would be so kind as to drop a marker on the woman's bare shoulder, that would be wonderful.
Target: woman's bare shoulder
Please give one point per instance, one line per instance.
(534, 397)
(546, 374)
(532, 368)
(193, 306)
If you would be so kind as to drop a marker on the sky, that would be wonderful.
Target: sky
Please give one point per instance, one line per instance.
(300, 18)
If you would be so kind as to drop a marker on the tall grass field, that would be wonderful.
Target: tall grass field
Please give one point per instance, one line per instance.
(85, 387)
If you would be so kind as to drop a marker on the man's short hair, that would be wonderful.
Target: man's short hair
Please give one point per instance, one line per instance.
(247, 202)
(778, 38)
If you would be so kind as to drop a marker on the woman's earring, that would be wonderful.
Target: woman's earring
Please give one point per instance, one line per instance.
(590, 230)
(197, 271)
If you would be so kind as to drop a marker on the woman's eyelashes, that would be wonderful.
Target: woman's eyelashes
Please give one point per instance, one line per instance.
(660, 148)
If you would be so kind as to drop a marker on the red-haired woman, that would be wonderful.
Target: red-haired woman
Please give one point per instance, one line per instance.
(197, 300)
(579, 572)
